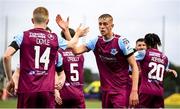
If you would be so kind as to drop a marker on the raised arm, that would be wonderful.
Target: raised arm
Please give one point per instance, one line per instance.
(64, 25)
(80, 32)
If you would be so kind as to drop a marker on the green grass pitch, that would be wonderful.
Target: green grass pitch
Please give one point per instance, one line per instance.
(11, 103)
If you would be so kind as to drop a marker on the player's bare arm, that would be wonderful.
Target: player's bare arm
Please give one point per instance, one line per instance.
(173, 71)
(60, 80)
(7, 61)
(79, 49)
(134, 100)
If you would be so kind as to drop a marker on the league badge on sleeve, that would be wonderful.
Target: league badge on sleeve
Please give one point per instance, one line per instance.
(125, 41)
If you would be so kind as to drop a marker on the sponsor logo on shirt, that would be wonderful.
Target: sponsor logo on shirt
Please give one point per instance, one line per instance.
(38, 72)
(37, 35)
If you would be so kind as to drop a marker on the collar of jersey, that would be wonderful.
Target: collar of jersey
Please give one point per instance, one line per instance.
(108, 39)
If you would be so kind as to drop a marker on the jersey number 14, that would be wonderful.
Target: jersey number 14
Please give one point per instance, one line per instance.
(43, 59)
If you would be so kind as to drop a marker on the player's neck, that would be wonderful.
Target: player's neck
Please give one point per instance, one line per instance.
(40, 26)
(108, 36)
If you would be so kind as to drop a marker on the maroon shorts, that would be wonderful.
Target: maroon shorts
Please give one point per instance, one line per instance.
(72, 104)
(36, 100)
(72, 97)
(150, 101)
(118, 99)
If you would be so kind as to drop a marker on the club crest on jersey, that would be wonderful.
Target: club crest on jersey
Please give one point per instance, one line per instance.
(50, 36)
(114, 51)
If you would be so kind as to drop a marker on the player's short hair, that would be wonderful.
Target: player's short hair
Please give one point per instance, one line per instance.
(40, 15)
(104, 16)
(152, 40)
(72, 33)
(140, 40)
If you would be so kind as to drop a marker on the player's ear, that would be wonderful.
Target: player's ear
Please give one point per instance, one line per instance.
(112, 25)
(32, 20)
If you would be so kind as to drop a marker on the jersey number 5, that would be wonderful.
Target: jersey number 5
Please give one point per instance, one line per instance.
(74, 71)
(156, 72)
(43, 59)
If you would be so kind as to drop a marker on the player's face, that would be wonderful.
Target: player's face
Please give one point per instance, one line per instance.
(141, 45)
(105, 26)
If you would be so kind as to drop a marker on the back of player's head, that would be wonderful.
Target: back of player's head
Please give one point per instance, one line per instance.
(72, 33)
(152, 40)
(40, 15)
(104, 16)
(140, 40)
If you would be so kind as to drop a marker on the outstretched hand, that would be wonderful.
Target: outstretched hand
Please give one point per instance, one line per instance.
(82, 30)
(61, 23)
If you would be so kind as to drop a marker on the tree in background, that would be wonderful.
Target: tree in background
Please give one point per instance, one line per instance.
(88, 78)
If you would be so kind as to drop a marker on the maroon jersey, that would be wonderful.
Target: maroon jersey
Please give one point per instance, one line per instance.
(112, 64)
(153, 68)
(74, 70)
(37, 61)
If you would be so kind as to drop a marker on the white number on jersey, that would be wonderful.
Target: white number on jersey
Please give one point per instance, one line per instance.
(74, 71)
(156, 72)
(43, 59)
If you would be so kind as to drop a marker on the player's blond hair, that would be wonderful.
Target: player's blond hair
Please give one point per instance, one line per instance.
(40, 15)
(104, 16)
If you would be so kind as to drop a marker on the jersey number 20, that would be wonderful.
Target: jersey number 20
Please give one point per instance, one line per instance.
(156, 72)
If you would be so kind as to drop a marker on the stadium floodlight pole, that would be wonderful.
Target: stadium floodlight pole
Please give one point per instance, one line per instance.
(163, 33)
(6, 33)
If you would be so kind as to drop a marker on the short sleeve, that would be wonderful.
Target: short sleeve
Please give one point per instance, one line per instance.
(90, 44)
(18, 39)
(125, 46)
(59, 62)
(62, 43)
(139, 55)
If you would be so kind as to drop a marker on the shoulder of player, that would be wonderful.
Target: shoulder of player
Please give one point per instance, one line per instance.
(116, 36)
(100, 37)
